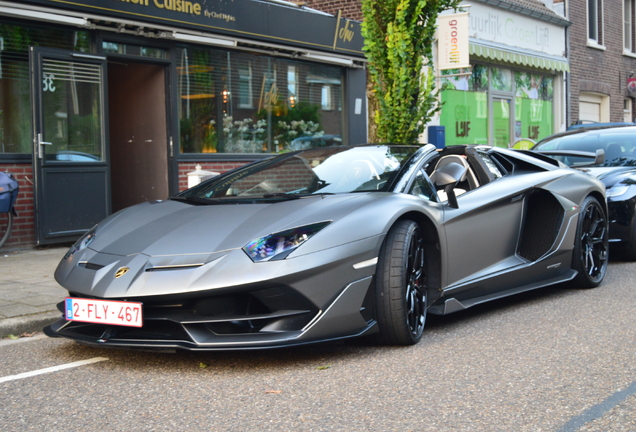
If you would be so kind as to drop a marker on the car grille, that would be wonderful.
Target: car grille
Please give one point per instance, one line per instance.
(263, 314)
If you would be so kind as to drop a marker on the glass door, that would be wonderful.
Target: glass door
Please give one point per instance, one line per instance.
(70, 153)
(501, 122)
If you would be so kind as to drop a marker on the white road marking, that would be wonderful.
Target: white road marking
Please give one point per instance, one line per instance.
(52, 369)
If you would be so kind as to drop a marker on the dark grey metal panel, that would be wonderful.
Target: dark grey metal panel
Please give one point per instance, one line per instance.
(356, 106)
(73, 200)
(246, 19)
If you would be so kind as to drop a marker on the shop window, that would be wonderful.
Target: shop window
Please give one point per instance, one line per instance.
(245, 86)
(595, 22)
(241, 103)
(628, 26)
(533, 106)
(501, 79)
(292, 85)
(325, 99)
(465, 106)
(16, 123)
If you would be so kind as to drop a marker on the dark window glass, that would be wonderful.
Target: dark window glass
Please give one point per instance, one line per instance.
(242, 103)
(15, 88)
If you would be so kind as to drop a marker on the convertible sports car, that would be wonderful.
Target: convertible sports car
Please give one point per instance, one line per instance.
(616, 169)
(332, 243)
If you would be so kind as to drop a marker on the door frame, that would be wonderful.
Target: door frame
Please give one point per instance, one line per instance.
(42, 168)
(170, 86)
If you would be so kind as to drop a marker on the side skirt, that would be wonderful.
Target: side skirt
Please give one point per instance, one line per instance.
(445, 306)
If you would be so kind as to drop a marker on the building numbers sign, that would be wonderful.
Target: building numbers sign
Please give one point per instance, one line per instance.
(48, 82)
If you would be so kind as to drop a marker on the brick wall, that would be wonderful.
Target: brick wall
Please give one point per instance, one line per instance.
(351, 9)
(596, 70)
(220, 167)
(23, 232)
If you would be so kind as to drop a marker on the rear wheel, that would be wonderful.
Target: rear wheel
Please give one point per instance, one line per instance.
(401, 297)
(6, 223)
(590, 253)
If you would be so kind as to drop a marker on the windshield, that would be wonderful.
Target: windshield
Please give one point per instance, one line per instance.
(619, 146)
(316, 171)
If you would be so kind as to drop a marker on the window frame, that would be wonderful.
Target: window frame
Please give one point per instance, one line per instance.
(595, 24)
(629, 45)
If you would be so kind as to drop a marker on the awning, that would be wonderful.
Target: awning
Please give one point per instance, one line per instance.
(518, 56)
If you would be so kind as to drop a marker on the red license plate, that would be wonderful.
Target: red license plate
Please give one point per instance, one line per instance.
(111, 312)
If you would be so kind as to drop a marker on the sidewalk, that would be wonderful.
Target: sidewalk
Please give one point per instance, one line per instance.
(28, 291)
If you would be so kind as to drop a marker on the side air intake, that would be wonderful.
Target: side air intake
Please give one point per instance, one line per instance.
(542, 220)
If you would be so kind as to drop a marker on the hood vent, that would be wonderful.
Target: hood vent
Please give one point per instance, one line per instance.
(89, 266)
(173, 267)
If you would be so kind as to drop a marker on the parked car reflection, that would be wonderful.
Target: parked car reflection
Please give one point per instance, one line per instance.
(304, 143)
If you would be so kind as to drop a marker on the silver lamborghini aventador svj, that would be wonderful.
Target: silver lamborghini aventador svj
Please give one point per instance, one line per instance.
(332, 242)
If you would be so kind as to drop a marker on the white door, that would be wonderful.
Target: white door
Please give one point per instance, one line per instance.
(590, 108)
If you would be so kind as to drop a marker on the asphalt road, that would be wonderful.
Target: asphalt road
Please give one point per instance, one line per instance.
(552, 360)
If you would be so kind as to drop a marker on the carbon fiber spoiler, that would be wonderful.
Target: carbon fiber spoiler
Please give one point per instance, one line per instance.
(598, 157)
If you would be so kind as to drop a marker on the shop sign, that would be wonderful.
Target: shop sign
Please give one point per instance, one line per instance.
(493, 24)
(631, 85)
(452, 41)
(246, 19)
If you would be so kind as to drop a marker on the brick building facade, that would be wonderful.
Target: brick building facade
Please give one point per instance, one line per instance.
(350, 9)
(99, 112)
(602, 57)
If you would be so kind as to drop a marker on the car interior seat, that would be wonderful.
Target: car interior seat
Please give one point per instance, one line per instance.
(613, 151)
(471, 181)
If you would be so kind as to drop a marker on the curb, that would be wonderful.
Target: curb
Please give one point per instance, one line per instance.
(27, 324)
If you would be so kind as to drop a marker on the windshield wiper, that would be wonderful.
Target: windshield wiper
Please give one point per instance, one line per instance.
(282, 195)
(195, 200)
(295, 196)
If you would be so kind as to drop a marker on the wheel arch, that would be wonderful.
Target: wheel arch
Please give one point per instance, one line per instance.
(432, 249)
(601, 199)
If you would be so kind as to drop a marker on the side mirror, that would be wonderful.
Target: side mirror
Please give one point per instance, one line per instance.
(599, 157)
(447, 177)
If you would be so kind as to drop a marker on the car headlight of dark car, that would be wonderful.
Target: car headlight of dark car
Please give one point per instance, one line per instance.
(621, 187)
(617, 190)
(82, 243)
(279, 245)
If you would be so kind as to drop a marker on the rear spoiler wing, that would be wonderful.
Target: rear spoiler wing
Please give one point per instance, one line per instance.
(598, 156)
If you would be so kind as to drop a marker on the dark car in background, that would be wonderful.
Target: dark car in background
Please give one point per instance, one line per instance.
(617, 170)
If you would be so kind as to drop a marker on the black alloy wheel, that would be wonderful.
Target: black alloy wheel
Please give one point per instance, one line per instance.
(401, 296)
(590, 255)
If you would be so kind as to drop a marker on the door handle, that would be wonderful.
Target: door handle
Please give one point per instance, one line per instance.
(40, 144)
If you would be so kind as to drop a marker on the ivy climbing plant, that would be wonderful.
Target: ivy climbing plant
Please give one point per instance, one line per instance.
(399, 36)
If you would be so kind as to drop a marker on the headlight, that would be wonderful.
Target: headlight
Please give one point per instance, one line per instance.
(82, 243)
(279, 245)
(616, 190)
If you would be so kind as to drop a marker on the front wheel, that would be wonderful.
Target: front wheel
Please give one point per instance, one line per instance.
(590, 253)
(401, 296)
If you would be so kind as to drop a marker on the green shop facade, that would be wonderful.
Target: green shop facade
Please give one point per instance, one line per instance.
(513, 93)
(108, 103)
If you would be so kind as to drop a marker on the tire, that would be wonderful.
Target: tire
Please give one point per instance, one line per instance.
(590, 254)
(6, 223)
(401, 297)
